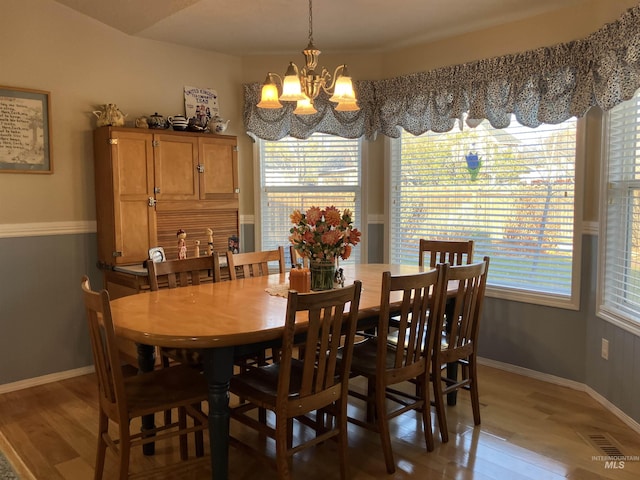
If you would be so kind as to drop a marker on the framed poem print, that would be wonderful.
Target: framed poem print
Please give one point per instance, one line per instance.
(25, 131)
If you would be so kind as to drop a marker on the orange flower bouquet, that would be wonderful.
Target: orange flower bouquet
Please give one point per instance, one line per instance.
(323, 235)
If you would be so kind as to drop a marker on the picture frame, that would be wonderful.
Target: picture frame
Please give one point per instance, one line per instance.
(200, 104)
(25, 131)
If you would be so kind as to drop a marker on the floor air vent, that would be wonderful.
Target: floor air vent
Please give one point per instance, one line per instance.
(604, 443)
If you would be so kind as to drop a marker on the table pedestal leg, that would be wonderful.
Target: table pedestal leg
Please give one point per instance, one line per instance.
(146, 363)
(218, 368)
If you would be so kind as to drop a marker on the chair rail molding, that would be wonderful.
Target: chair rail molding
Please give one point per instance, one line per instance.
(43, 229)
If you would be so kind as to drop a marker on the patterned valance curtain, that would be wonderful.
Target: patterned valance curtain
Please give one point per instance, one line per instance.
(546, 85)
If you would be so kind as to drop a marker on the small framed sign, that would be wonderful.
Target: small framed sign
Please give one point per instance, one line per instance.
(200, 103)
(25, 131)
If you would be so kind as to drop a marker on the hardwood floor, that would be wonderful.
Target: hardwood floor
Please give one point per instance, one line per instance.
(530, 430)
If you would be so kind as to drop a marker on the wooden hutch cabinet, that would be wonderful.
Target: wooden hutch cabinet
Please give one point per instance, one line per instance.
(151, 183)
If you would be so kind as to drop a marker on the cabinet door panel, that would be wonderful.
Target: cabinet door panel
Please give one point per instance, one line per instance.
(135, 232)
(220, 177)
(132, 159)
(134, 221)
(176, 167)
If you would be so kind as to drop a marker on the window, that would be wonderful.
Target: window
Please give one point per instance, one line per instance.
(322, 170)
(511, 190)
(619, 282)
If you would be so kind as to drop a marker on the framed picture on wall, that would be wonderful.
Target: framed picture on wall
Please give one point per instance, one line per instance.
(200, 103)
(25, 131)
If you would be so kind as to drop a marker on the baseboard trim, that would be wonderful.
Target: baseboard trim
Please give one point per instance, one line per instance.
(545, 377)
(53, 377)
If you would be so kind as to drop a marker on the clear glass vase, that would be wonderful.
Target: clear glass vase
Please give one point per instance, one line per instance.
(322, 274)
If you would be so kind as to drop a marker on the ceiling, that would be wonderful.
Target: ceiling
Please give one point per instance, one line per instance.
(264, 27)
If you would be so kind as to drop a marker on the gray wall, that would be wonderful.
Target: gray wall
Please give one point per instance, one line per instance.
(43, 328)
(42, 323)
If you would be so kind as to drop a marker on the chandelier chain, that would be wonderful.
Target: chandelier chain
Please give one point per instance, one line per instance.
(310, 21)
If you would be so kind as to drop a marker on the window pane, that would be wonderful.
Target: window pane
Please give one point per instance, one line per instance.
(510, 190)
(321, 171)
(620, 241)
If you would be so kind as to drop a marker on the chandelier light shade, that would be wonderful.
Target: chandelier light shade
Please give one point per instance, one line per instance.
(305, 107)
(269, 97)
(303, 85)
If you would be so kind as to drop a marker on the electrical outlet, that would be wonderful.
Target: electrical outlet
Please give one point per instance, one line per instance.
(605, 349)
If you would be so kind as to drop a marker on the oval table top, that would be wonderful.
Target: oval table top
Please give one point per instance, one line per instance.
(229, 313)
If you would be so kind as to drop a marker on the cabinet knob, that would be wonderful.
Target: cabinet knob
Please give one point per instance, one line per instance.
(152, 202)
(200, 168)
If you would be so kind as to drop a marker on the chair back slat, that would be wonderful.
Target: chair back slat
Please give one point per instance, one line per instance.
(332, 317)
(180, 273)
(106, 355)
(254, 264)
(470, 284)
(442, 251)
(420, 314)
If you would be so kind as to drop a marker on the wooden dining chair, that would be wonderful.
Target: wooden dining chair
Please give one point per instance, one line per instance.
(293, 387)
(459, 339)
(181, 273)
(254, 264)
(453, 252)
(122, 399)
(421, 301)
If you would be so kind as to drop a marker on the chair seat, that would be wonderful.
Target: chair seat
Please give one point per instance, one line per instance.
(364, 359)
(261, 384)
(151, 392)
(187, 356)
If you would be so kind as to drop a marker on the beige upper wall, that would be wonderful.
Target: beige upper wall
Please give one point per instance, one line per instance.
(540, 31)
(83, 63)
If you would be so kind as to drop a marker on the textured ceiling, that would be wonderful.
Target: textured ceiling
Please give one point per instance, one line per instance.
(281, 26)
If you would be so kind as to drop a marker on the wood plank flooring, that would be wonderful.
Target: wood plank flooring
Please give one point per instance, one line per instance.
(531, 430)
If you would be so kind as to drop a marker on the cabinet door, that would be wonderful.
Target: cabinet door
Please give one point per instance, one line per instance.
(135, 218)
(219, 157)
(176, 167)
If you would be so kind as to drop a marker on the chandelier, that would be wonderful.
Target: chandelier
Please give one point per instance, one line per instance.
(303, 85)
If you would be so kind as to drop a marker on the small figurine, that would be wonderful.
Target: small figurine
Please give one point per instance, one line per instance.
(234, 244)
(182, 244)
(210, 242)
(339, 277)
(197, 253)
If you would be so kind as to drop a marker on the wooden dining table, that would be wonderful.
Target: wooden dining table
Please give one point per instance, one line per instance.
(224, 320)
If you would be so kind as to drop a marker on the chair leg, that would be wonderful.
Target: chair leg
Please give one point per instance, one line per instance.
(383, 429)
(124, 452)
(165, 364)
(103, 428)
(423, 386)
(199, 436)
(341, 423)
(371, 409)
(282, 440)
(475, 398)
(182, 424)
(438, 399)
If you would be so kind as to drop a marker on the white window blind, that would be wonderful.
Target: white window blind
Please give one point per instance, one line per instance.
(518, 206)
(321, 171)
(620, 222)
